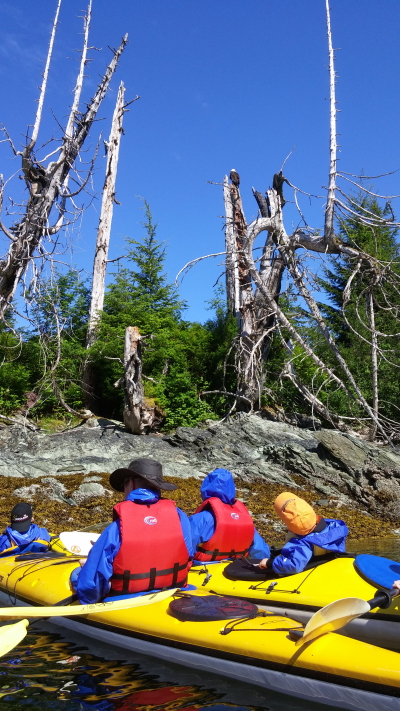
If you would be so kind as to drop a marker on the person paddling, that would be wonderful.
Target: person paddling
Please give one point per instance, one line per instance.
(222, 526)
(308, 535)
(22, 530)
(148, 546)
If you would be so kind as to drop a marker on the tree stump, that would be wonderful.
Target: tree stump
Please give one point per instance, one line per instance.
(139, 417)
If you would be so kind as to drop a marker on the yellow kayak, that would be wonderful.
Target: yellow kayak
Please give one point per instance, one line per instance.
(332, 669)
(304, 593)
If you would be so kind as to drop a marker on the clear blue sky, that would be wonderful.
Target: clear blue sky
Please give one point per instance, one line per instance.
(224, 83)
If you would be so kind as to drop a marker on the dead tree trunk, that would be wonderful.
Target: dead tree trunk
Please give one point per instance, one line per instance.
(139, 418)
(45, 210)
(374, 364)
(103, 241)
(106, 215)
(256, 322)
(232, 277)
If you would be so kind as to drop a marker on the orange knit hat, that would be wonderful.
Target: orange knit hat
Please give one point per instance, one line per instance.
(298, 516)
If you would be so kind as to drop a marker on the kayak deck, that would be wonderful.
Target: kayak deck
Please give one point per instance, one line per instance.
(311, 589)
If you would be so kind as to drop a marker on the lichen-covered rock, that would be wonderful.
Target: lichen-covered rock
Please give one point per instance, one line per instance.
(89, 490)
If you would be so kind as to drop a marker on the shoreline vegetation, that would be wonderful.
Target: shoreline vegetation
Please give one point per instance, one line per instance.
(259, 496)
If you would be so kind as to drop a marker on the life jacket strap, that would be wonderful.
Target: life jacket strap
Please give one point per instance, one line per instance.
(226, 554)
(126, 576)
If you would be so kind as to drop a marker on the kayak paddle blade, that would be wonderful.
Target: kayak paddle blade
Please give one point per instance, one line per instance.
(78, 542)
(92, 609)
(11, 635)
(333, 617)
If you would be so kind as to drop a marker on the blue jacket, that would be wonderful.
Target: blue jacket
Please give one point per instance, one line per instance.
(297, 552)
(220, 483)
(11, 537)
(92, 580)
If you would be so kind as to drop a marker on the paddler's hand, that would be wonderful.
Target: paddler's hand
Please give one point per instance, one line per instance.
(396, 585)
(82, 562)
(264, 561)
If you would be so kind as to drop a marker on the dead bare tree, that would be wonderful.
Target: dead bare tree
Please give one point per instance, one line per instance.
(254, 287)
(103, 237)
(38, 222)
(106, 215)
(50, 204)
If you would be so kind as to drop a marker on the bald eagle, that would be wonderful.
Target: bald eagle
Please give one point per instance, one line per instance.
(235, 177)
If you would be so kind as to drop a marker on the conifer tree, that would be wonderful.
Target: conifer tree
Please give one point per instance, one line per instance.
(350, 320)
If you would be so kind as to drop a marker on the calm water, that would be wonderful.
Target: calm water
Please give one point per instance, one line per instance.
(57, 671)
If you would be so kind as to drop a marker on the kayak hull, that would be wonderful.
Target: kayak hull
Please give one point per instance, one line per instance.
(303, 594)
(331, 670)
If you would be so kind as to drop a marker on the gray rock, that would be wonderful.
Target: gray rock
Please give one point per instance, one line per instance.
(56, 491)
(89, 491)
(337, 465)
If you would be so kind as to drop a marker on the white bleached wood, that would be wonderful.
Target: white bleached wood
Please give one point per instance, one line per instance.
(374, 364)
(39, 110)
(104, 228)
(139, 418)
(30, 230)
(330, 204)
(81, 73)
(232, 277)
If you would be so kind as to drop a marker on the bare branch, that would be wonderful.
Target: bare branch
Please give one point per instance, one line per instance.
(192, 262)
(32, 142)
(79, 81)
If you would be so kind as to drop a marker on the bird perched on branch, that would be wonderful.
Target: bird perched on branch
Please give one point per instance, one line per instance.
(235, 177)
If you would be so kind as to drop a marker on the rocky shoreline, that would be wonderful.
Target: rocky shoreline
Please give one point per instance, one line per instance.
(65, 475)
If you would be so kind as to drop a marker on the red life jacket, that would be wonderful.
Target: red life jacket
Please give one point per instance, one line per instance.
(234, 531)
(153, 551)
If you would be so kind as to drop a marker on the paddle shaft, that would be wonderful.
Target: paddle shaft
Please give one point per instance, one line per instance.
(383, 599)
(88, 609)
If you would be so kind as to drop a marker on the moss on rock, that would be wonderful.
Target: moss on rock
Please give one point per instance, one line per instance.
(258, 496)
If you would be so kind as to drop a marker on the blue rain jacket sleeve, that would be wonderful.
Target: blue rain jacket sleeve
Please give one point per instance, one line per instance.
(93, 578)
(91, 582)
(11, 537)
(259, 548)
(298, 551)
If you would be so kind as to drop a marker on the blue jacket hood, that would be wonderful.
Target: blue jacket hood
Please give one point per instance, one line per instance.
(31, 534)
(333, 537)
(144, 496)
(219, 483)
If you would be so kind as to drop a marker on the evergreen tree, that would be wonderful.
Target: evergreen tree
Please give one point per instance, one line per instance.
(354, 337)
(174, 355)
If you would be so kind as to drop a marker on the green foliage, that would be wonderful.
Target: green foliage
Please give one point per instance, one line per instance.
(180, 359)
(354, 337)
(14, 375)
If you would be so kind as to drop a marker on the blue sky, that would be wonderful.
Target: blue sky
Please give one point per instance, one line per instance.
(223, 83)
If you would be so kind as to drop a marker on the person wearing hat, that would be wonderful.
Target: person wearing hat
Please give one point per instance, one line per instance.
(222, 526)
(308, 535)
(148, 546)
(22, 530)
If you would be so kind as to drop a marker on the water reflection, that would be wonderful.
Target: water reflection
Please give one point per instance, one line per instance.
(48, 671)
(385, 547)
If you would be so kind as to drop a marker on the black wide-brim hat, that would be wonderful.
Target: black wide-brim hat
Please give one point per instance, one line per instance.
(148, 469)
